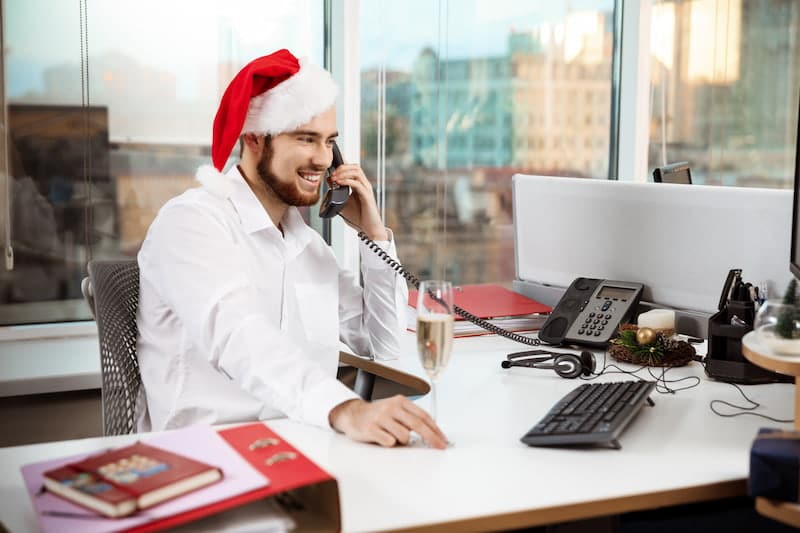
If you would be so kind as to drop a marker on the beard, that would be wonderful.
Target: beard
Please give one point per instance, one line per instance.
(287, 191)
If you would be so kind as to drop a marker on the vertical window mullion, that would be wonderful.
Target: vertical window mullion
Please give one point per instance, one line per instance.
(345, 63)
(634, 91)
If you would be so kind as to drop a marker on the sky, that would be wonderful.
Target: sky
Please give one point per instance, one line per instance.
(391, 30)
(187, 37)
(459, 28)
(179, 45)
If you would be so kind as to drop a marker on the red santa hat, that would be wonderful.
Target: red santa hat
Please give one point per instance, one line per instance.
(270, 95)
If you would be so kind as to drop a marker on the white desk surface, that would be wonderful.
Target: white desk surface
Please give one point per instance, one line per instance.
(675, 452)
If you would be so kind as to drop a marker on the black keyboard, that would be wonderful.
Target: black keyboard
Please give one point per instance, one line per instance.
(592, 414)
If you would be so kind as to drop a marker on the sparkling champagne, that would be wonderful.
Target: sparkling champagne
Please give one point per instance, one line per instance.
(434, 342)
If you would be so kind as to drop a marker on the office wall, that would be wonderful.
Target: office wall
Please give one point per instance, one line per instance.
(46, 417)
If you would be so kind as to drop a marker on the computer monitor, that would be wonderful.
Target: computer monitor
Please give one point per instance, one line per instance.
(794, 258)
(674, 173)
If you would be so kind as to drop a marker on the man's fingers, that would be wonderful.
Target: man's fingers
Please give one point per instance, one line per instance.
(351, 175)
(423, 415)
(418, 420)
(399, 431)
(381, 436)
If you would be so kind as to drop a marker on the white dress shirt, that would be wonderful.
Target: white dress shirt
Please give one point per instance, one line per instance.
(240, 322)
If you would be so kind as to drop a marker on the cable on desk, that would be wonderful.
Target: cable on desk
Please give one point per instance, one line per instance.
(744, 409)
(662, 383)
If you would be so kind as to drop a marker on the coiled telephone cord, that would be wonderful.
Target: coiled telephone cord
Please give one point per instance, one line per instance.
(485, 324)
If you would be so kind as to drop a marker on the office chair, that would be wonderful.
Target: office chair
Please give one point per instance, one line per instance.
(112, 292)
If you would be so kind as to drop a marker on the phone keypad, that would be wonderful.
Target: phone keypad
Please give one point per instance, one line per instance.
(595, 323)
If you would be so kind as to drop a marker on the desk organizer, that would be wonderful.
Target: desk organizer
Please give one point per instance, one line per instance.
(725, 361)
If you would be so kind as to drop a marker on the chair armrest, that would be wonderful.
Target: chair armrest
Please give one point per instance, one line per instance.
(388, 381)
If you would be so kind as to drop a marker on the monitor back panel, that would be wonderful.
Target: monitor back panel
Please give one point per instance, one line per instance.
(679, 240)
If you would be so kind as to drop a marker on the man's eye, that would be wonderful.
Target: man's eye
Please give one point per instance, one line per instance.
(305, 139)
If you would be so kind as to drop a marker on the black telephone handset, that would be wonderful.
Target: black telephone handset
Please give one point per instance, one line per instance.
(335, 197)
(590, 312)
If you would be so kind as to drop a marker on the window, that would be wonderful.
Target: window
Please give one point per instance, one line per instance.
(153, 87)
(724, 89)
(507, 59)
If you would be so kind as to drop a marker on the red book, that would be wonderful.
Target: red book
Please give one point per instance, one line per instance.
(120, 482)
(504, 307)
(490, 301)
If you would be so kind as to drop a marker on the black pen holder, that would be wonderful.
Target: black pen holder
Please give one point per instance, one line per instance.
(726, 329)
(725, 361)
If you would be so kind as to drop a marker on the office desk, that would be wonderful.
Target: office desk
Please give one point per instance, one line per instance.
(676, 452)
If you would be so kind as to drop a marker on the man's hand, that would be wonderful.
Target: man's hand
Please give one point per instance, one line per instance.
(360, 210)
(386, 422)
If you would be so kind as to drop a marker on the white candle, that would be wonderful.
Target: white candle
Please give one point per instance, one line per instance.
(657, 319)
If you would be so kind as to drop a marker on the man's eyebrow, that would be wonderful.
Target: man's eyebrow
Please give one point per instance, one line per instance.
(314, 134)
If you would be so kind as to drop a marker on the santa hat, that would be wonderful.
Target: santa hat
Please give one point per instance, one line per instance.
(270, 95)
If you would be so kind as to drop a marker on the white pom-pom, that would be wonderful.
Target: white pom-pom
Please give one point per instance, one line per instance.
(214, 181)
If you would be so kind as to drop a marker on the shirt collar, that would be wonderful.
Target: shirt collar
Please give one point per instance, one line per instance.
(251, 213)
(254, 217)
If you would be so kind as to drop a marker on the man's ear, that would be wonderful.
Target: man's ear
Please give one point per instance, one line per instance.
(252, 142)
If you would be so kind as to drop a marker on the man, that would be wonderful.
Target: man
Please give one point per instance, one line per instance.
(242, 305)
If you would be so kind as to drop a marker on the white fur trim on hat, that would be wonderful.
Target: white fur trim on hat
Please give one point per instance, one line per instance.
(292, 103)
(214, 181)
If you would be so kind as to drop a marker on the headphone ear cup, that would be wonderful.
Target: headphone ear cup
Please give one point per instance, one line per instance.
(588, 363)
(568, 366)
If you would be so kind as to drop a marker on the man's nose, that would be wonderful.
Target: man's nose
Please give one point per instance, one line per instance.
(322, 156)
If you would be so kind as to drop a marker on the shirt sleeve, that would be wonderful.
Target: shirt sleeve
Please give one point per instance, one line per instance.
(193, 261)
(373, 318)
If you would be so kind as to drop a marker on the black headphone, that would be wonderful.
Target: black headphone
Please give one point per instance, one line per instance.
(566, 365)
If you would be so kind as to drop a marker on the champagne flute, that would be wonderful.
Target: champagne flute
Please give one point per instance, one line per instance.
(434, 330)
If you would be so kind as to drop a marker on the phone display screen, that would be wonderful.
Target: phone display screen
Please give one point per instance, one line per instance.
(610, 293)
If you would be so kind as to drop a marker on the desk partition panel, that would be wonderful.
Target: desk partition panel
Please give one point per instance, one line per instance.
(679, 240)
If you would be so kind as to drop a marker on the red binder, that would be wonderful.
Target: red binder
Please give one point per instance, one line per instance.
(490, 301)
(308, 494)
(502, 307)
(287, 470)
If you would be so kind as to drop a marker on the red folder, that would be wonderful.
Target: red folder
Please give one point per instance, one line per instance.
(286, 468)
(490, 301)
(308, 494)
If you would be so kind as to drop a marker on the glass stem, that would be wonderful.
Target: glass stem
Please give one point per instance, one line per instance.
(433, 400)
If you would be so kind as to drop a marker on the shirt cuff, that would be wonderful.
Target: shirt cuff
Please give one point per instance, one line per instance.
(319, 401)
(372, 260)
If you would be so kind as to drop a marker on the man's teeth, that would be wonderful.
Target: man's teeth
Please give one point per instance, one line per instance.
(309, 177)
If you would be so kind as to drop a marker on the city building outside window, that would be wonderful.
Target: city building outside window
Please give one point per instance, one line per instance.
(725, 85)
(459, 96)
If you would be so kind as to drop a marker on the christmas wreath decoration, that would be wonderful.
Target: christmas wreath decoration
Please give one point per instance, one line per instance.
(649, 347)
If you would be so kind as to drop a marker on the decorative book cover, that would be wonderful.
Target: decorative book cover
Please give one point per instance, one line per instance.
(118, 482)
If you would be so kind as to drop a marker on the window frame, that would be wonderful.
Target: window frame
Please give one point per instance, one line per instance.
(633, 25)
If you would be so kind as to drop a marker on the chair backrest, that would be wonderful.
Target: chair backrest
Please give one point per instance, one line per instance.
(112, 292)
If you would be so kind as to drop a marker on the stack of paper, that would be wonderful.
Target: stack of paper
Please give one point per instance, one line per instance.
(500, 306)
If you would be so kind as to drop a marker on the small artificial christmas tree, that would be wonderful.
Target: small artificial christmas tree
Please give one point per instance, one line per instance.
(790, 315)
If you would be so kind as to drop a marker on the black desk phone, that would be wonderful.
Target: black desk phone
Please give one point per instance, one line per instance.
(590, 312)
